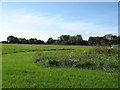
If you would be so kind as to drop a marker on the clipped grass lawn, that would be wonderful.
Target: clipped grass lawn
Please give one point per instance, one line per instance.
(20, 71)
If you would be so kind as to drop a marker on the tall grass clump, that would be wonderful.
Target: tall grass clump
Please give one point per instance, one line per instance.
(101, 58)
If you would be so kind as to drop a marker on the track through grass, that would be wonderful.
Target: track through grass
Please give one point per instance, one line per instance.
(16, 48)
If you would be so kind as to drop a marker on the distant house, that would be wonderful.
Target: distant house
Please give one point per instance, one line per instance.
(109, 36)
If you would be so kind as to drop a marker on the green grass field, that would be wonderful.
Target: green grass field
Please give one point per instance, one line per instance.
(20, 69)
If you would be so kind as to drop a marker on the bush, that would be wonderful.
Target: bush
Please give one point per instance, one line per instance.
(53, 63)
(97, 58)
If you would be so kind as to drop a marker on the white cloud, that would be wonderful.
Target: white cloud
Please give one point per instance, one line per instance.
(40, 26)
(88, 33)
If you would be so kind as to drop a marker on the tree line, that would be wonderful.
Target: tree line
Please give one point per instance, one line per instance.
(106, 40)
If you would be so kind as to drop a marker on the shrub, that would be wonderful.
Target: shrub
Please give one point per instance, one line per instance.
(53, 63)
(97, 58)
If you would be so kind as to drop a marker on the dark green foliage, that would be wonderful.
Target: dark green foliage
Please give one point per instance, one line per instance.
(102, 58)
(85, 65)
(106, 40)
(50, 41)
(35, 41)
(53, 63)
(70, 40)
(12, 39)
(64, 37)
(84, 42)
(4, 42)
(106, 50)
(23, 41)
(91, 40)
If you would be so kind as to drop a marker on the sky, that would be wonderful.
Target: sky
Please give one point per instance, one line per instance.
(42, 20)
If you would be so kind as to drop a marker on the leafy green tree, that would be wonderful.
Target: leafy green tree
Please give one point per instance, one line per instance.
(50, 41)
(57, 42)
(84, 42)
(40, 42)
(12, 39)
(64, 37)
(4, 42)
(91, 41)
(72, 40)
(32, 41)
(23, 41)
(104, 42)
(79, 40)
(98, 40)
(116, 40)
